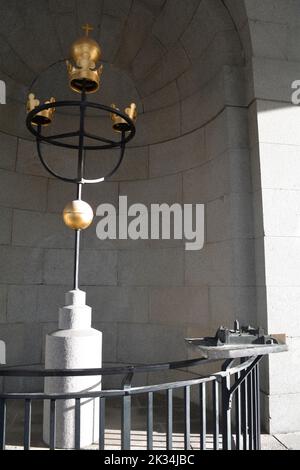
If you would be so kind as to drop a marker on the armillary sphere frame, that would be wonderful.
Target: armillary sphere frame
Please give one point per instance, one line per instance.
(84, 78)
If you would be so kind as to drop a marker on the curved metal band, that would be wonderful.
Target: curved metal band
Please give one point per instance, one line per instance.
(60, 104)
(83, 180)
(46, 166)
(111, 173)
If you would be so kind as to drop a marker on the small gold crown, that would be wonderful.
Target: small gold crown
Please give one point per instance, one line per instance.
(82, 68)
(43, 118)
(119, 124)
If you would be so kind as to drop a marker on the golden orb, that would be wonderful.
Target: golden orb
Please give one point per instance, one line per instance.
(78, 215)
(86, 47)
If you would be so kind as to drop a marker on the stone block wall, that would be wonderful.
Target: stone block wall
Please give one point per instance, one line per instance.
(274, 142)
(147, 296)
(191, 146)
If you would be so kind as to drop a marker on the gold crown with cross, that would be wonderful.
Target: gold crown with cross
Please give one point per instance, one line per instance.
(83, 69)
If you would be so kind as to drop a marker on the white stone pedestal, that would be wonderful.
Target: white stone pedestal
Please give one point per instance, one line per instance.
(74, 346)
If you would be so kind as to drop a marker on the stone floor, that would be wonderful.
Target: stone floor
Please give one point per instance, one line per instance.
(138, 437)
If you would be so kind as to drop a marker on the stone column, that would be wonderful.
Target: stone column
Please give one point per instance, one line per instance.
(74, 346)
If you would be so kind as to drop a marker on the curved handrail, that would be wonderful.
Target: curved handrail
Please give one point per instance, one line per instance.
(123, 370)
(120, 370)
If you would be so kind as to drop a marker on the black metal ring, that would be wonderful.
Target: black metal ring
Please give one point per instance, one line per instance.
(54, 140)
(60, 104)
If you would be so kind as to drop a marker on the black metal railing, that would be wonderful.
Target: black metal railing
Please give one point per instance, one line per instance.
(228, 403)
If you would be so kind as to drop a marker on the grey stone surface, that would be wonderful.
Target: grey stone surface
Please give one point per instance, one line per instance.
(151, 267)
(283, 412)
(8, 152)
(163, 98)
(23, 343)
(174, 63)
(201, 106)
(243, 262)
(140, 20)
(3, 303)
(280, 116)
(5, 225)
(153, 191)
(290, 441)
(228, 131)
(271, 443)
(110, 341)
(97, 267)
(231, 303)
(203, 268)
(151, 52)
(282, 370)
(31, 192)
(49, 299)
(151, 342)
(277, 11)
(283, 303)
(21, 266)
(150, 126)
(280, 159)
(179, 14)
(177, 155)
(235, 83)
(22, 304)
(43, 230)
(281, 212)
(281, 255)
(208, 20)
(208, 182)
(179, 306)
(229, 216)
(266, 86)
(119, 304)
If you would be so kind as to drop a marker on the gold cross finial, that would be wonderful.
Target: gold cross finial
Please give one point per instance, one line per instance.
(87, 28)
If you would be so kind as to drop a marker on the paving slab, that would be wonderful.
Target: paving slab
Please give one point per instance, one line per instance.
(290, 441)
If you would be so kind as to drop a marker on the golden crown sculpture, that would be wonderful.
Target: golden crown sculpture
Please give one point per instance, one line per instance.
(84, 75)
(82, 69)
(119, 124)
(43, 118)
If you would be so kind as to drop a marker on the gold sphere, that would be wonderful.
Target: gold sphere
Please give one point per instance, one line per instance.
(86, 46)
(78, 215)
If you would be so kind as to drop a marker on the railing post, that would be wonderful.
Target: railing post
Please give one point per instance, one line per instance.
(102, 423)
(216, 417)
(250, 410)
(77, 424)
(169, 419)
(2, 423)
(27, 424)
(52, 424)
(150, 421)
(226, 407)
(202, 400)
(258, 417)
(238, 428)
(187, 406)
(126, 414)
